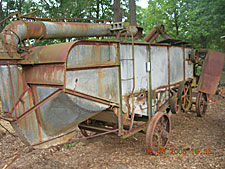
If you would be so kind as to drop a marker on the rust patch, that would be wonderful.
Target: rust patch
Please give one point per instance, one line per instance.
(100, 88)
(56, 53)
(45, 74)
(211, 71)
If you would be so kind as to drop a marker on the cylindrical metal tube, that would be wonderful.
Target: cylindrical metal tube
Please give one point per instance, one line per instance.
(22, 30)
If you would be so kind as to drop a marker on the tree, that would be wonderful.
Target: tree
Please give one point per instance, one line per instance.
(1, 16)
(200, 22)
(117, 11)
(132, 9)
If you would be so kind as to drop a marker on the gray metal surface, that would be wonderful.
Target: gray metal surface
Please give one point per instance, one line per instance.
(159, 66)
(176, 64)
(92, 55)
(103, 83)
(188, 66)
(58, 116)
(141, 75)
(18, 84)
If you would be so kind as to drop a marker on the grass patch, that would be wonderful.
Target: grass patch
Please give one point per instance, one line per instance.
(66, 146)
(199, 119)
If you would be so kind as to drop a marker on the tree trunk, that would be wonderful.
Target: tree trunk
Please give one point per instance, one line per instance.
(132, 8)
(20, 6)
(117, 11)
(176, 22)
(98, 9)
(1, 17)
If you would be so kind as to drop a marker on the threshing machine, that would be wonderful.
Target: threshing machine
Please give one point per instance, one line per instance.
(113, 83)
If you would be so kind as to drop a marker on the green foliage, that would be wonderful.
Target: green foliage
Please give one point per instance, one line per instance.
(222, 77)
(200, 22)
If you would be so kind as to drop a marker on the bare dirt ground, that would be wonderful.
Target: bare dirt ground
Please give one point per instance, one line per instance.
(189, 132)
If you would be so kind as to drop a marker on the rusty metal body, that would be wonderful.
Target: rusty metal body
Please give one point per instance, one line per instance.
(117, 85)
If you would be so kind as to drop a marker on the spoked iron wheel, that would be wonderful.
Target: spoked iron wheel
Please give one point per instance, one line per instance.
(86, 133)
(158, 132)
(201, 104)
(175, 105)
(185, 96)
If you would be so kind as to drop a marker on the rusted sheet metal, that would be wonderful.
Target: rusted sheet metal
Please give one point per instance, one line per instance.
(211, 71)
(24, 30)
(24, 103)
(154, 33)
(56, 53)
(63, 19)
(52, 74)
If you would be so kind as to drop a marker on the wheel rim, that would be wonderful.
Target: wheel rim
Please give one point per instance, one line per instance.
(175, 106)
(201, 104)
(86, 133)
(158, 132)
(186, 97)
(83, 132)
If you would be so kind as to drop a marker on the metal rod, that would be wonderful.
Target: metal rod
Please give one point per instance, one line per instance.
(62, 18)
(168, 51)
(14, 159)
(18, 100)
(100, 100)
(135, 130)
(133, 58)
(184, 62)
(77, 139)
(92, 67)
(150, 88)
(120, 115)
(7, 130)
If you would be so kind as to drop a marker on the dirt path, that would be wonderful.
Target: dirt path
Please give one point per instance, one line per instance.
(189, 133)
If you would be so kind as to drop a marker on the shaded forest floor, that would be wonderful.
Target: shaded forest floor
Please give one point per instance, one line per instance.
(189, 132)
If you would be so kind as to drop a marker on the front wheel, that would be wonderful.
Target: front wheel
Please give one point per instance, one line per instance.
(158, 132)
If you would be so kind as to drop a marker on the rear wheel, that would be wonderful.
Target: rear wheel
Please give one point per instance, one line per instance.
(185, 96)
(201, 104)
